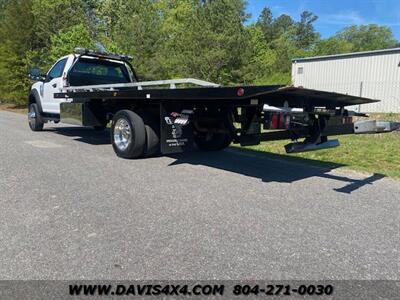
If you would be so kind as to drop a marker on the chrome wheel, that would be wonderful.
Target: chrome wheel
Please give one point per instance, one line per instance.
(34, 120)
(32, 116)
(122, 134)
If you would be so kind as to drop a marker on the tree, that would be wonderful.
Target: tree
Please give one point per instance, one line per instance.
(332, 46)
(204, 39)
(3, 4)
(273, 28)
(207, 39)
(66, 41)
(367, 37)
(90, 7)
(34, 33)
(305, 35)
(282, 24)
(51, 16)
(132, 27)
(270, 57)
(264, 22)
(260, 58)
(15, 41)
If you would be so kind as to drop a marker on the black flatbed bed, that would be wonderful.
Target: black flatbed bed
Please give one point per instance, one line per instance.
(274, 95)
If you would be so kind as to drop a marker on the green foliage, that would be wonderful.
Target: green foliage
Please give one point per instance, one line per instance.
(260, 57)
(357, 38)
(3, 4)
(274, 43)
(331, 46)
(15, 41)
(35, 33)
(65, 42)
(305, 36)
(132, 27)
(51, 16)
(207, 39)
(368, 37)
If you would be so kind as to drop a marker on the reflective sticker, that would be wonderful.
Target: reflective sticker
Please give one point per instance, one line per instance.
(254, 101)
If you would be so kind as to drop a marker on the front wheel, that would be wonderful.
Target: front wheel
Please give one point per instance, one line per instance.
(34, 119)
(128, 134)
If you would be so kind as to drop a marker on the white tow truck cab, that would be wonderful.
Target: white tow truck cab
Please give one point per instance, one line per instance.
(78, 69)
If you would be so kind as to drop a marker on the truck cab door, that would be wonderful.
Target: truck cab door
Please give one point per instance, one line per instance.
(53, 84)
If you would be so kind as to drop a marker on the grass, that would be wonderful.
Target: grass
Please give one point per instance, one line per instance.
(372, 153)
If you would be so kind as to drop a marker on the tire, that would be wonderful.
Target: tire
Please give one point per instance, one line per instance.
(152, 147)
(34, 118)
(128, 134)
(213, 141)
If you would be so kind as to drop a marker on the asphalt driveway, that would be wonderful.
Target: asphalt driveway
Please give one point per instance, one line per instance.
(70, 209)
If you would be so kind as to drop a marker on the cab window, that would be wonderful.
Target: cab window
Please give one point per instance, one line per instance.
(96, 71)
(57, 69)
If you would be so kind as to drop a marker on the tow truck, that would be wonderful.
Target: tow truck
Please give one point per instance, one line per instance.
(148, 118)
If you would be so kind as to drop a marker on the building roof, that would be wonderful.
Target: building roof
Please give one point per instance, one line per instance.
(348, 55)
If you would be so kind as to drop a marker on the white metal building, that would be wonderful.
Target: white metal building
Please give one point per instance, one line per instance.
(370, 74)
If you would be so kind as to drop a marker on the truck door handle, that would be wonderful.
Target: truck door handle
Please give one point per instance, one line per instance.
(54, 85)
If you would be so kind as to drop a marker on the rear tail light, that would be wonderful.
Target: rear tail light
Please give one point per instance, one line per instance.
(240, 92)
(274, 121)
(279, 121)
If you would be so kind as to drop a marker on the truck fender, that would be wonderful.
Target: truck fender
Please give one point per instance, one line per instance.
(35, 98)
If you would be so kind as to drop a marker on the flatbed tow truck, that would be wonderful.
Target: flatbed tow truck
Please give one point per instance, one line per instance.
(169, 116)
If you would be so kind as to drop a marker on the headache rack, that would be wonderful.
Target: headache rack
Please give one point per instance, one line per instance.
(100, 54)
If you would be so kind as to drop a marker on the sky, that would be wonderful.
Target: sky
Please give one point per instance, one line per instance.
(333, 15)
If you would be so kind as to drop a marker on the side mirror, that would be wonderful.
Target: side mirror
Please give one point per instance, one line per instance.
(36, 74)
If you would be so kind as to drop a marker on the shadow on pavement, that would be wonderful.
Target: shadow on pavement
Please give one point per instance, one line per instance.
(84, 134)
(272, 167)
(268, 167)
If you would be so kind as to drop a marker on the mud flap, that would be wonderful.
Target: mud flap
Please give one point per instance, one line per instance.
(175, 136)
(251, 127)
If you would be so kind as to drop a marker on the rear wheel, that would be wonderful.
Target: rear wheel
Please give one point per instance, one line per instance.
(34, 119)
(128, 134)
(212, 141)
(152, 126)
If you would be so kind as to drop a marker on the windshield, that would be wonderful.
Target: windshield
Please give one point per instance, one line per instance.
(96, 71)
